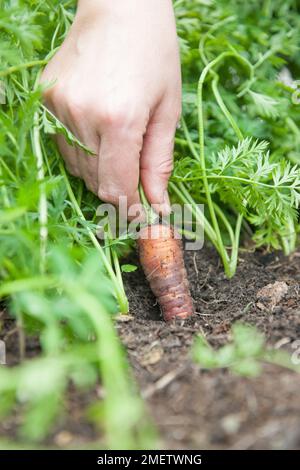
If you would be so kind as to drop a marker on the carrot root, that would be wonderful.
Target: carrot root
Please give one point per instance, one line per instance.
(161, 256)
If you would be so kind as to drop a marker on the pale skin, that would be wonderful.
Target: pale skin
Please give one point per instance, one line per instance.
(116, 84)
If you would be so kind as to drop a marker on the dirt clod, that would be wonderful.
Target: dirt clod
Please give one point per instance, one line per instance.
(271, 295)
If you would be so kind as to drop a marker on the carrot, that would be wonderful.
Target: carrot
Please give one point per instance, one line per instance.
(161, 257)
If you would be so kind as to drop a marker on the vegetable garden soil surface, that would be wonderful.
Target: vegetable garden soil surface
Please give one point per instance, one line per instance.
(209, 409)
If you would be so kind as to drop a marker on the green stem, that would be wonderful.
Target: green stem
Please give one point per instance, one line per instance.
(225, 222)
(107, 246)
(290, 239)
(237, 178)
(235, 246)
(4, 191)
(294, 128)
(43, 203)
(184, 142)
(211, 30)
(215, 224)
(43, 210)
(119, 289)
(26, 65)
(151, 216)
(31, 283)
(234, 237)
(189, 141)
(265, 56)
(224, 109)
(121, 396)
(8, 170)
(186, 198)
(208, 68)
(115, 258)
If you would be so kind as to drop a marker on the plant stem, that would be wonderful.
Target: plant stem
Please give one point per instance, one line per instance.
(225, 222)
(235, 246)
(219, 241)
(290, 239)
(224, 109)
(43, 210)
(229, 263)
(43, 204)
(26, 65)
(121, 396)
(237, 178)
(151, 216)
(115, 258)
(186, 198)
(189, 141)
(118, 285)
(184, 142)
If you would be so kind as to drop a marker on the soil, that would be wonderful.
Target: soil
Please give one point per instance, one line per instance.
(195, 408)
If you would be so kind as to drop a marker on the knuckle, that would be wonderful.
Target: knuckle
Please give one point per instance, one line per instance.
(121, 117)
(91, 186)
(76, 107)
(56, 94)
(91, 180)
(165, 167)
(73, 170)
(115, 117)
(109, 195)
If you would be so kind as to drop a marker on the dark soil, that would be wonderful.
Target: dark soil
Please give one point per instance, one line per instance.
(195, 408)
(216, 409)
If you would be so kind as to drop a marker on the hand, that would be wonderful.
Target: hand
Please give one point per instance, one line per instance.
(117, 87)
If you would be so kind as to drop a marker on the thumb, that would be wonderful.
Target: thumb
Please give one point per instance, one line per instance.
(156, 162)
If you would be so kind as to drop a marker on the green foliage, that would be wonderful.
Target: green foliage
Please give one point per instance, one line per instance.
(128, 268)
(57, 280)
(237, 152)
(68, 308)
(247, 178)
(241, 106)
(244, 355)
(52, 126)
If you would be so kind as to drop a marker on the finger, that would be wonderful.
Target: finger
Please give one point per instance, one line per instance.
(77, 122)
(88, 164)
(69, 154)
(157, 158)
(118, 170)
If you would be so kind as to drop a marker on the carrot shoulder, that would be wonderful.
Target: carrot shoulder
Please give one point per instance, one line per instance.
(161, 257)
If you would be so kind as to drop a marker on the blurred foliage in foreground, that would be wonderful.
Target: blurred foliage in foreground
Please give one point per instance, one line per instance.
(56, 279)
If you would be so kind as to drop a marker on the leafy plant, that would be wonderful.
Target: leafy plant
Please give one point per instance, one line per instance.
(58, 281)
(237, 152)
(68, 307)
(244, 355)
(245, 165)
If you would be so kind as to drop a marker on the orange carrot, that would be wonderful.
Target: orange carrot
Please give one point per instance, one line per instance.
(161, 257)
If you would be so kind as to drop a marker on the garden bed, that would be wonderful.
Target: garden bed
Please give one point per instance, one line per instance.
(195, 408)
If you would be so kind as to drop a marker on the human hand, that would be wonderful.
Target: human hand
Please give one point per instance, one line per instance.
(117, 87)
